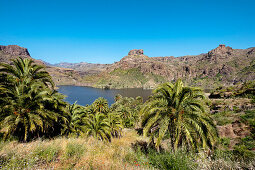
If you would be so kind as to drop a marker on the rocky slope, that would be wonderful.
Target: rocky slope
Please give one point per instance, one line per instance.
(87, 68)
(220, 66)
(61, 76)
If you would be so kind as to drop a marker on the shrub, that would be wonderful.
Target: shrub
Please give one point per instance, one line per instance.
(223, 118)
(222, 154)
(249, 116)
(242, 153)
(225, 142)
(169, 160)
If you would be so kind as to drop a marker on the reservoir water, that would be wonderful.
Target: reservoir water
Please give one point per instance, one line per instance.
(87, 95)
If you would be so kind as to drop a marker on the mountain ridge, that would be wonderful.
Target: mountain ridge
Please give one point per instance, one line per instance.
(220, 66)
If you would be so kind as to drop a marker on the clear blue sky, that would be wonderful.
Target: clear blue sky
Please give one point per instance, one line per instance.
(103, 31)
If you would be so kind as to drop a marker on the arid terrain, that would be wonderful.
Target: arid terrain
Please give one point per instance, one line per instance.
(220, 66)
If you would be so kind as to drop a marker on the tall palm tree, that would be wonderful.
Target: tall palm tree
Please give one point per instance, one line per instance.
(97, 125)
(55, 104)
(101, 105)
(117, 97)
(180, 114)
(115, 123)
(29, 102)
(26, 114)
(127, 116)
(76, 125)
(128, 108)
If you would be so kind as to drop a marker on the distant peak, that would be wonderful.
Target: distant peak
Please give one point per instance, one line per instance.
(221, 49)
(222, 45)
(136, 52)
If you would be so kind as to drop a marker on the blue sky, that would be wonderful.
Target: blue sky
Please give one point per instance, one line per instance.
(103, 31)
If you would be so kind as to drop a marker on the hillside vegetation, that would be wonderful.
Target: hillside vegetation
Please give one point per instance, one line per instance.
(130, 78)
(178, 127)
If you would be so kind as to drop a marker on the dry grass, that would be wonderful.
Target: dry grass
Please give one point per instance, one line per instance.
(66, 153)
(88, 153)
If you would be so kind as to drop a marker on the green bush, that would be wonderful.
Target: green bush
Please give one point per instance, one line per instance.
(249, 142)
(169, 160)
(223, 121)
(130, 157)
(223, 118)
(249, 117)
(148, 156)
(242, 153)
(226, 155)
(225, 142)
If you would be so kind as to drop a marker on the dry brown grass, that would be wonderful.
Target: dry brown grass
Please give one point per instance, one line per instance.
(77, 153)
(88, 153)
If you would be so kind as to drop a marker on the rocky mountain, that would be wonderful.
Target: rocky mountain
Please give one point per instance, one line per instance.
(84, 67)
(220, 66)
(61, 76)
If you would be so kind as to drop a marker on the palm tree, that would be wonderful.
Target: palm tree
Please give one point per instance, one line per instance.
(126, 114)
(117, 97)
(139, 99)
(26, 72)
(97, 125)
(28, 101)
(76, 125)
(3, 101)
(55, 104)
(101, 105)
(178, 113)
(26, 114)
(128, 108)
(115, 123)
